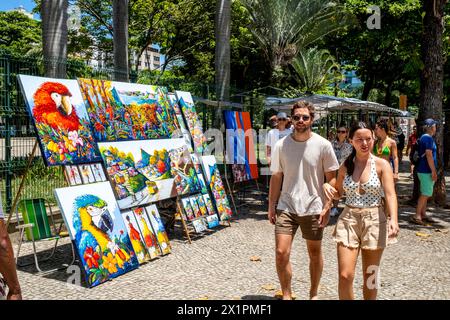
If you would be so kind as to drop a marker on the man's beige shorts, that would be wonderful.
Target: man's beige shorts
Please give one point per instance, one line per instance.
(288, 223)
(364, 228)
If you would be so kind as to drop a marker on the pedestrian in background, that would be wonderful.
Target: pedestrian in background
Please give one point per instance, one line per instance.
(277, 133)
(385, 147)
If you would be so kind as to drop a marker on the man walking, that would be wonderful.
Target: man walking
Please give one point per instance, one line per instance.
(426, 171)
(299, 163)
(277, 133)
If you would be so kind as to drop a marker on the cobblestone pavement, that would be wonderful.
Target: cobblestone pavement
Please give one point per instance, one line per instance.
(219, 266)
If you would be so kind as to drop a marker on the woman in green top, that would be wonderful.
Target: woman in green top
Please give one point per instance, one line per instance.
(386, 147)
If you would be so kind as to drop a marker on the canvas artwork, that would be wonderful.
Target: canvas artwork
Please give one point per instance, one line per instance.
(136, 237)
(158, 227)
(194, 124)
(184, 132)
(148, 234)
(73, 175)
(100, 236)
(200, 225)
(60, 119)
(189, 213)
(128, 111)
(240, 146)
(143, 171)
(214, 180)
(195, 207)
(209, 204)
(86, 173)
(201, 205)
(212, 221)
(182, 169)
(199, 172)
(98, 172)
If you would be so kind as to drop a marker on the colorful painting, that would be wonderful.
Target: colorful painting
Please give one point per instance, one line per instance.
(158, 227)
(209, 204)
(97, 170)
(195, 207)
(199, 172)
(128, 111)
(200, 225)
(214, 180)
(194, 124)
(212, 221)
(73, 175)
(184, 132)
(188, 212)
(86, 173)
(201, 205)
(136, 237)
(240, 146)
(140, 171)
(100, 236)
(148, 234)
(60, 119)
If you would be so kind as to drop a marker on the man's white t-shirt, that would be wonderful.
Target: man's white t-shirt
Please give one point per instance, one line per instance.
(304, 165)
(274, 135)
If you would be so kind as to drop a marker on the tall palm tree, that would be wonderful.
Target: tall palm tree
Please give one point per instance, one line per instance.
(54, 37)
(432, 80)
(313, 69)
(222, 55)
(283, 27)
(120, 40)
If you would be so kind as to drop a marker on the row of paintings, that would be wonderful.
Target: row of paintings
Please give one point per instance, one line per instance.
(71, 117)
(202, 224)
(104, 242)
(197, 206)
(85, 173)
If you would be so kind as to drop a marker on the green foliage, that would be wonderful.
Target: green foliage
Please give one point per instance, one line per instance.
(18, 33)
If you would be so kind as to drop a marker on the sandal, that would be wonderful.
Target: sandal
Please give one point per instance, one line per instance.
(416, 221)
(429, 219)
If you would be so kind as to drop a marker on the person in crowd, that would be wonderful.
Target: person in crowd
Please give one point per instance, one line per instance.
(426, 171)
(411, 141)
(276, 134)
(385, 147)
(7, 262)
(364, 225)
(342, 150)
(400, 140)
(289, 123)
(300, 163)
(273, 122)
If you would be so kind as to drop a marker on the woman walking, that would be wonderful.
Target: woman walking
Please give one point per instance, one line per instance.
(385, 147)
(364, 224)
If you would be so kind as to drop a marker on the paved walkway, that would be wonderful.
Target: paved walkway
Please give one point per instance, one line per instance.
(219, 266)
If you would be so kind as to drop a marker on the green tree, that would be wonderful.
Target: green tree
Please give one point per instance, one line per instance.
(18, 33)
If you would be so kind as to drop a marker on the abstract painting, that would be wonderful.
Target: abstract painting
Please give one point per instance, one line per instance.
(212, 221)
(214, 180)
(73, 175)
(86, 173)
(145, 171)
(97, 170)
(188, 212)
(128, 111)
(100, 236)
(194, 124)
(201, 205)
(158, 228)
(240, 146)
(199, 172)
(60, 119)
(184, 132)
(148, 234)
(199, 225)
(209, 204)
(195, 207)
(136, 237)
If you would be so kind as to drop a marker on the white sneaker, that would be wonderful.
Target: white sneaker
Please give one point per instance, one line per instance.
(334, 212)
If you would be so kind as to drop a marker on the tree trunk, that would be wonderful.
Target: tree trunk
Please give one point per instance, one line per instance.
(120, 26)
(54, 37)
(368, 85)
(432, 82)
(222, 55)
(388, 94)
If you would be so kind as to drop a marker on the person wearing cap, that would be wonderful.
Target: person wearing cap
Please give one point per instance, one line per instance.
(426, 171)
(276, 134)
(273, 122)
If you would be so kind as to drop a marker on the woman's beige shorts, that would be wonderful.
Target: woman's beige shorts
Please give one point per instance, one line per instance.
(364, 228)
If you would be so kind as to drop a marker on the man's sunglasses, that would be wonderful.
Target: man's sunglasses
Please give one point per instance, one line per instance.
(282, 119)
(297, 118)
(341, 131)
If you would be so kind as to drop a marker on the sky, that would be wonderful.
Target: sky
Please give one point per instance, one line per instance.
(6, 5)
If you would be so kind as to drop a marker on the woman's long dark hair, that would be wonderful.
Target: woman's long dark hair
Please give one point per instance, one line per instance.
(349, 164)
